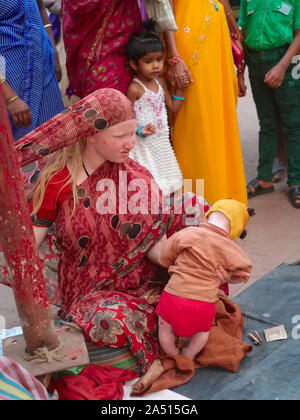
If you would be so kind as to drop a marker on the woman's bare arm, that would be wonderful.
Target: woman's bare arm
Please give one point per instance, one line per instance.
(39, 234)
(154, 253)
(18, 109)
(176, 71)
(45, 20)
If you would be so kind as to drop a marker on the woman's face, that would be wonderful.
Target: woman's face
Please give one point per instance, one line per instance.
(115, 143)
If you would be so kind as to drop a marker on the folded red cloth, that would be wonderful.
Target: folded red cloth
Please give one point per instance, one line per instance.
(93, 383)
(238, 56)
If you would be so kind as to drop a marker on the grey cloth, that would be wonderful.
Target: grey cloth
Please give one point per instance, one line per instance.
(271, 371)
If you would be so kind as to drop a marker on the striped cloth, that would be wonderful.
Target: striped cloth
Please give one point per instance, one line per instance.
(27, 61)
(109, 356)
(18, 384)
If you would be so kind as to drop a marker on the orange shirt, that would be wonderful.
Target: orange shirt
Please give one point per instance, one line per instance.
(193, 256)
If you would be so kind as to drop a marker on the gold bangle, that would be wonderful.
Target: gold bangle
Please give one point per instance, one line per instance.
(14, 98)
(3, 80)
(49, 25)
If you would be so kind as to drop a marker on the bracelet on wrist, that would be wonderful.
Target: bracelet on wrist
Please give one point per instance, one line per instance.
(178, 98)
(238, 37)
(49, 25)
(241, 68)
(174, 60)
(2, 80)
(14, 98)
(139, 131)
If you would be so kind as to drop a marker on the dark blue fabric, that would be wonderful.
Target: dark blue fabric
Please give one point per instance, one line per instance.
(271, 371)
(28, 63)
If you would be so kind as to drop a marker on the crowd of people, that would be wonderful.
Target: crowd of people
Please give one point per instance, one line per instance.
(160, 108)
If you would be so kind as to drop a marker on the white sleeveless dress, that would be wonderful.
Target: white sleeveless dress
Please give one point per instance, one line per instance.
(156, 152)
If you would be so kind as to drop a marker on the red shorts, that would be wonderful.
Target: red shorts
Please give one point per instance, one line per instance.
(186, 316)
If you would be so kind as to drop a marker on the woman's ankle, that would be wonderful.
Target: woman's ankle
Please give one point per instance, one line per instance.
(265, 184)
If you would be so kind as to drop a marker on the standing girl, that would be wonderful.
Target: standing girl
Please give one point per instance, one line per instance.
(150, 95)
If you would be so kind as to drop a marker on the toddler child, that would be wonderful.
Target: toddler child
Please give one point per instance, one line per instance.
(187, 306)
(150, 95)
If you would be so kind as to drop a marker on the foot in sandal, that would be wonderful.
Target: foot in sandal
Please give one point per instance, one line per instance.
(256, 187)
(294, 196)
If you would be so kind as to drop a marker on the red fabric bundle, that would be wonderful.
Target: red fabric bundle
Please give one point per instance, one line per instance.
(238, 56)
(93, 383)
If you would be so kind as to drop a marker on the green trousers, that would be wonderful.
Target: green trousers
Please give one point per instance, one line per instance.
(274, 107)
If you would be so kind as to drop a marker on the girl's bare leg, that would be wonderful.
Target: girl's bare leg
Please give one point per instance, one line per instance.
(196, 344)
(167, 338)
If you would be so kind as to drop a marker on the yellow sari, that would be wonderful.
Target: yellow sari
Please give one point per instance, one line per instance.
(206, 134)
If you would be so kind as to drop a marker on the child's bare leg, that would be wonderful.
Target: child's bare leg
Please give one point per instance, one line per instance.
(167, 338)
(196, 344)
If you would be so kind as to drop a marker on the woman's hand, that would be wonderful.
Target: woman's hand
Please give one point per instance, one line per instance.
(275, 76)
(178, 70)
(20, 113)
(242, 85)
(179, 75)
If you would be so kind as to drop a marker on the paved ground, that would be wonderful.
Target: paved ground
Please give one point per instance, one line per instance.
(273, 235)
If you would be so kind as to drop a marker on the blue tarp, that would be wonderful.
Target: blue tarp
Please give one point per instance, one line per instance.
(271, 371)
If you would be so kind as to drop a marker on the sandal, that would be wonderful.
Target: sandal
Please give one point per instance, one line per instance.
(258, 189)
(294, 196)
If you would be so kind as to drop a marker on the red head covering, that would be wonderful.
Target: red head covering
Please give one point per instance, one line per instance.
(102, 109)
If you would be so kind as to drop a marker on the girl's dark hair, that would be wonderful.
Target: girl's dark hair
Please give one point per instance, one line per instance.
(144, 43)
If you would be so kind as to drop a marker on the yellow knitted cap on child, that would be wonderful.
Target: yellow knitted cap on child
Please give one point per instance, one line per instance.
(235, 211)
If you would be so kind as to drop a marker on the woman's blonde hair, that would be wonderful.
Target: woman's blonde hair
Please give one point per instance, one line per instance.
(71, 155)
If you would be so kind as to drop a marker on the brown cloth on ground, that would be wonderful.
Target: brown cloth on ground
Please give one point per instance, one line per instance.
(224, 349)
(164, 373)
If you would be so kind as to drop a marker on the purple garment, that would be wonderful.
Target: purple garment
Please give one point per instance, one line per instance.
(143, 10)
(55, 21)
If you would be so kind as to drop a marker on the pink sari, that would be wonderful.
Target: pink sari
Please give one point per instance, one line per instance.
(95, 35)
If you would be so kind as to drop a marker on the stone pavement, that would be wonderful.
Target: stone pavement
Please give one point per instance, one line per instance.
(273, 234)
